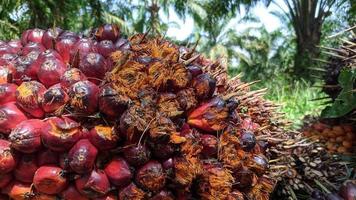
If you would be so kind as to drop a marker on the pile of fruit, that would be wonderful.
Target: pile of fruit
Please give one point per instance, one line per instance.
(104, 117)
(338, 138)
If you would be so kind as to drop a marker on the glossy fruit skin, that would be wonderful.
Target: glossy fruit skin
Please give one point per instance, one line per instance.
(71, 192)
(7, 93)
(204, 86)
(151, 176)
(49, 180)
(210, 145)
(15, 44)
(60, 133)
(54, 99)
(32, 47)
(7, 157)
(80, 49)
(29, 96)
(118, 172)
(5, 179)
(348, 190)
(10, 116)
(82, 156)
(64, 45)
(103, 137)
(84, 97)
(47, 157)
(110, 102)
(93, 65)
(34, 35)
(247, 141)
(26, 136)
(95, 184)
(105, 48)
(18, 191)
(22, 70)
(137, 155)
(49, 37)
(108, 32)
(26, 168)
(51, 71)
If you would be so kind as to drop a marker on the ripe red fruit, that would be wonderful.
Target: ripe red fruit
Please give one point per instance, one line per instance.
(18, 191)
(7, 58)
(163, 195)
(35, 35)
(6, 73)
(105, 48)
(108, 32)
(22, 71)
(348, 190)
(118, 172)
(64, 45)
(7, 157)
(137, 155)
(80, 49)
(210, 145)
(26, 136)
(110, 102)
(204, 86)
(247, 141)
(15, 44)
(47, 157)
(131, 192)
(7, 93)
(24, 37)
(93, 65)
(26, 168)
(41, 196)
(51, 71)
(244, 178)
(103, 137)
(10, 116)
(49, 180)
(54, 99)
(5, 179)
(93, 185)
(60, 133)
(84, 97)
(122, 44)
(72, 76)
(49, 37)
(29, 96)
(108, 197)
(151, 176)
(32, 47)
(72, 193)
(82, 156)
(7, 49)
(195, 70)
(258, 164)
(162, 150)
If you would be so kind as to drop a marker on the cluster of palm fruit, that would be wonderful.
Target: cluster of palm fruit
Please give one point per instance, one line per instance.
(104, 117)
(337, 137)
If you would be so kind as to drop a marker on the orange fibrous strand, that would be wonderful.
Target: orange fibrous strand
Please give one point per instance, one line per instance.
(168, 104)
(27, 94)
(186, 170)
(105, 131)
(262, 189)
(161, 126)
(229, 151)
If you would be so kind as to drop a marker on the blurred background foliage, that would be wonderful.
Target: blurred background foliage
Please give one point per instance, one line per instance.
(284, 59)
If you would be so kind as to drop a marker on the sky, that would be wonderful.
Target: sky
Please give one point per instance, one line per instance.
(185, 28)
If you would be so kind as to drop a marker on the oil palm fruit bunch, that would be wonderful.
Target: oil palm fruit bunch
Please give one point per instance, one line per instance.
(104, 117)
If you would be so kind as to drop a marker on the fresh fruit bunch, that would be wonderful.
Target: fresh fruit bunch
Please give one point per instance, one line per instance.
(337, 137)
(103, 117)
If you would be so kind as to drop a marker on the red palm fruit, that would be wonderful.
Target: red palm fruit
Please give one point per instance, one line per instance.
(204, 86)
(82, 156)
(41, 196)
(22, 70)
(93, 185)
(348, 190)
(151, 176)
(26, 136)
(24, 37)
(122, 44)
(210, 145)
(210, 116)
(258, 164)
(84, 97)
(163, 195)
(7, 93)
(162, 150)
(7, 58)
(71, 76)
(18, 191)
(137, 155)
(108, 32)
(71, 193)
(49, 180)
(80, 49)
(35, 35)
(5, 179)
(32, 47)
(54, 99)
(93, 65)
(66, 34)
(7, 157)
(10, 116)
(103, 137)
(29, 96)
(51, 71)
(15, 44)
(244, 178)
(6, 73)
(195, 70)
(60, 133)
(26, 168)
(7, 49)
(110, 102)
(49, 37)
(47, 157)
(108, 197)
(105, 48)
(64, 45)
(131, 192)
(247, 140)
(118, 172)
